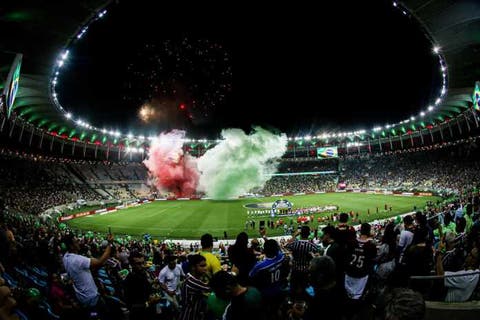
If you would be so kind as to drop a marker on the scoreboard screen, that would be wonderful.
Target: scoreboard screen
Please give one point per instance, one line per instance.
(329, 152)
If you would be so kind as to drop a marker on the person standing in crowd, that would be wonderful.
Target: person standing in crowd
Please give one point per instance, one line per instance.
(79, 269)
(138, 289)
(270, 276)
(346, 234)
(242, 257)
(245, 302)
(406, 236)
(460, 284)
(195, 290)
(169, 279)
(213, 263)
(334, 250)
(328, 294)
(402, 304)
(359, 267)
(302, 251)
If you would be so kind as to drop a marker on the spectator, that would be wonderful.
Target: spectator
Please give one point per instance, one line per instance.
(241, 257)
(138, 289)
(360, 261)
(270, 276)
(403, 304)
(169, 279)
(245, 302)
(302, 251)
(79, 268)
(460, 284)
(195, 289)
(406, 236)
(333, 249)
(7, 303)
(328, 294)
(213, 263)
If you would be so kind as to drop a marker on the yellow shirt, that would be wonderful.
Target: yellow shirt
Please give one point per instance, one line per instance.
(213, 264)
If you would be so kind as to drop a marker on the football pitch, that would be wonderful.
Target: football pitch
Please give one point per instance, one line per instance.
(190, 219)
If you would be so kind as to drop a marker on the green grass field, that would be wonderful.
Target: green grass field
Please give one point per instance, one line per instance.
(191, 219)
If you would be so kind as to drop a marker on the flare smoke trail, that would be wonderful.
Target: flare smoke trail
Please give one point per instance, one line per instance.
(170, 169)
(240, 162)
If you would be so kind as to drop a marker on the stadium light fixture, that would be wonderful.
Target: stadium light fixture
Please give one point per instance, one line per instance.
(437, 102)
(129, 136)
(430, 108)
(388, 126)
(412, 118)
(64, 55)
(436, 49)
(422, 114)
(394, 4)
(101, 14)
(68, 115)
(141, 137)
(116, 134)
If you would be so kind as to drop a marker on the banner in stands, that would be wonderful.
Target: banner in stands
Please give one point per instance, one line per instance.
(476, 96)
(11, 84)
(329, 152)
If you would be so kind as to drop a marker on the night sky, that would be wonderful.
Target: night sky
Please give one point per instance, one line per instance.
(299, 69)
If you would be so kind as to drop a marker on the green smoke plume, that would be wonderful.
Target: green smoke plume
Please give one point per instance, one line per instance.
(240, 162)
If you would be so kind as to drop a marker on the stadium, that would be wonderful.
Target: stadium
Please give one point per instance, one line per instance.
(188, 206)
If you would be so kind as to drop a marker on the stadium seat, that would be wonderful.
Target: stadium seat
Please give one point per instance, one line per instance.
(21, 272)
(20, 314)
(46, 306)
(12, 283)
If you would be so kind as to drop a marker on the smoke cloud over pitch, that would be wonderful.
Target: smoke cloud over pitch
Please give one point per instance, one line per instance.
(240, 163)
(170, 169)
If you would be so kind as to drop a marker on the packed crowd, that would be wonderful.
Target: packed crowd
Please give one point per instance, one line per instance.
(300, 183)
(379, 270)
(445, 168)
(51, 181)
(51, 272)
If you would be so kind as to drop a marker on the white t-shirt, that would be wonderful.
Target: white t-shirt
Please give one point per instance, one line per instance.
(171, 278)
(78, 269)
(406, 238)
(461, 286)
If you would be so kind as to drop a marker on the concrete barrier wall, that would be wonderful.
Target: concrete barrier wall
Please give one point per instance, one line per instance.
(452, 311)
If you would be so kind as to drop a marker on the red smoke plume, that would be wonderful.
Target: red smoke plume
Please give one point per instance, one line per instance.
(169, 167)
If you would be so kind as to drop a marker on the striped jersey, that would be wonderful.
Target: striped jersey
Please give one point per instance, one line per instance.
(302, 252)
(194, 297)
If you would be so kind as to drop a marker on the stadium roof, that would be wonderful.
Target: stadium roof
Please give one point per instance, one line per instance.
(40, 30)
